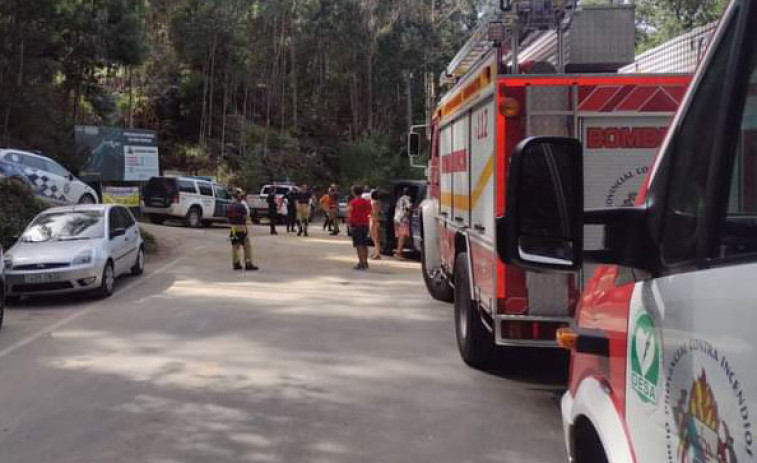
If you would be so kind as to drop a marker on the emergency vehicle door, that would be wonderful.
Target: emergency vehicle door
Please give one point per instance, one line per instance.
(691, 383)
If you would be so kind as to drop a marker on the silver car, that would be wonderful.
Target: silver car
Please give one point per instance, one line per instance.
(76, 248)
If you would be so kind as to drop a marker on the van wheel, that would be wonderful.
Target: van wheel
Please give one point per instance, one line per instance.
(436, 283)
(194, 217)
(474, 341)
(87, 199)
(157, 220)
(588, 446)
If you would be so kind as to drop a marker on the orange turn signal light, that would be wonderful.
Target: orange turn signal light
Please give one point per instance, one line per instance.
(567, 338)
(509, 107)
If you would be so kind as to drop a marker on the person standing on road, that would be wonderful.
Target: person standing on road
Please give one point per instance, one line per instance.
(237, 214)
(334, 208)
(291, 213)
(359, 211)
(402, 221)
(303, 210)
(325, 208)
(272, 210)
(376, 224)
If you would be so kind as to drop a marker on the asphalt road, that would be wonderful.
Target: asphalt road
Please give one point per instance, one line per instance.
(304, 361)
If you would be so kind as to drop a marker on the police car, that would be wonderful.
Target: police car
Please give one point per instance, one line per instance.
(50, 181)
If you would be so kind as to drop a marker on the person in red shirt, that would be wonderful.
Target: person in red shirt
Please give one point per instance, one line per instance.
(359, 211)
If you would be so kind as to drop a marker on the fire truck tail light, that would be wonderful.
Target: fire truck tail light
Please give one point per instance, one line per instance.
(509, 107)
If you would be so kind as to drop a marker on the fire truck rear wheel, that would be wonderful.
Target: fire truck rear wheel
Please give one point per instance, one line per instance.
(436, 284)
(474, 341)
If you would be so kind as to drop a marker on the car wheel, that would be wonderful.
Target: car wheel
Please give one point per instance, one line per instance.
(474, 341)
(194, 217)
(87, 199)
(2, 305)
(255, 217)
(12, 300)
(157, 220)
(107, 282)
(139, 265)
(436, 282)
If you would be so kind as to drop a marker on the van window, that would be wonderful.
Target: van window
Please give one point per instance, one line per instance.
(205, 189)
(690, 156)
(738, 234)
(187, 186)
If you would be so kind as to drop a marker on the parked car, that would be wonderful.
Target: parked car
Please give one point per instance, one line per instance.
(344, 201)
(388, 201)
(2, 287)
(193, 200)
(50, 181)
(13, 172)
(259, 202)
(74, 248)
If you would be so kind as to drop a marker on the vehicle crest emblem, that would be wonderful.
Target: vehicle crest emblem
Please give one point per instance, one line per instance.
(703, 437)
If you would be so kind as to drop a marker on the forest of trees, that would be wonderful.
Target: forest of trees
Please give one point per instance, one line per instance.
(249, 90)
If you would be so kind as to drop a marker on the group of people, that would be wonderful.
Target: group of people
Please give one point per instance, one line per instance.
(295, 206)
(363, 212)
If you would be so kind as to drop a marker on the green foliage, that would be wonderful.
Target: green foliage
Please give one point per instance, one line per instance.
(17, 208)
(256, 90)
(371, 161)
(660, 20)
(151, 244)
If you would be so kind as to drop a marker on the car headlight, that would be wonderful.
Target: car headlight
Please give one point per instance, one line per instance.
(84, 257)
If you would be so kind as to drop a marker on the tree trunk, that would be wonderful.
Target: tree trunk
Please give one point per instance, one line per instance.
(293, 59)
(131, 97)
(409, 98)
(212, 86)
(369, 87)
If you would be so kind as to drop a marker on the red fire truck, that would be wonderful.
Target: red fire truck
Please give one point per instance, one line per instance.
(621, 119)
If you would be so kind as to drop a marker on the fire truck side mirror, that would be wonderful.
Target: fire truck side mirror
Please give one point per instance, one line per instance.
(542, 229)
(413, 144)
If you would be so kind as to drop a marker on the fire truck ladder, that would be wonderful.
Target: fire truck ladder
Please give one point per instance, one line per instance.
(518, 24)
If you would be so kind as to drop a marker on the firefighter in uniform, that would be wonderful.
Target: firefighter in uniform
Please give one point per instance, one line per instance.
(237, 214)
(303, 210)
(273, 213)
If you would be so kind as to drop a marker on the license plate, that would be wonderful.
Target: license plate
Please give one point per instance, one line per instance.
(40, 278)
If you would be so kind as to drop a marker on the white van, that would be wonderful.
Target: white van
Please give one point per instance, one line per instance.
(50, 181)
(663, 344)
(195, 201)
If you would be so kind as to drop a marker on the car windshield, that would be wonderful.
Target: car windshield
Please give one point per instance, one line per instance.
(65, 226)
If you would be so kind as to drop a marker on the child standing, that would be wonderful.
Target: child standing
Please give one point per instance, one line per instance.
(359, 211)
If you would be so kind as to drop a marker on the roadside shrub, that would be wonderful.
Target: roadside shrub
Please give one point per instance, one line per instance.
(151, 245)
(18, 206)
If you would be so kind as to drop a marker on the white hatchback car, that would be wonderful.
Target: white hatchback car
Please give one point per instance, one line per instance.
(51, 181)
(75, 248)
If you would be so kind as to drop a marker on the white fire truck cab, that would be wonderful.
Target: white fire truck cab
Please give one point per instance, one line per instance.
(663, 346)
(621, 118)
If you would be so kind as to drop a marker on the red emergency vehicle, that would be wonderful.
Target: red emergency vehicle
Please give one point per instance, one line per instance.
(622, 120)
